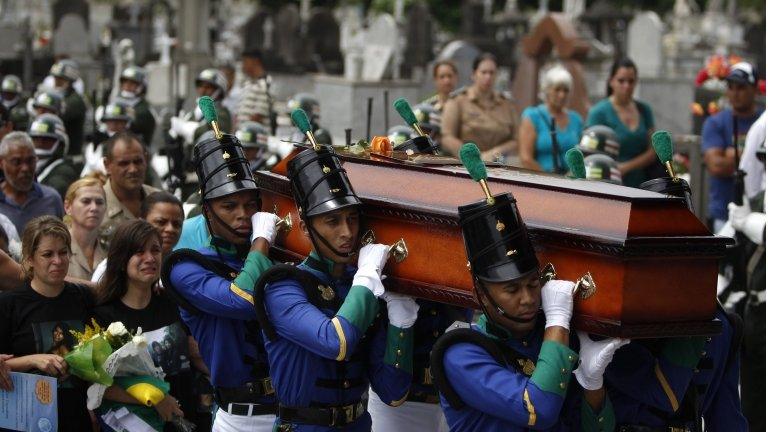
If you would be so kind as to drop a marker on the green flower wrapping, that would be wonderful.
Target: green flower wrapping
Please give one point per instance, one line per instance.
(86, 361)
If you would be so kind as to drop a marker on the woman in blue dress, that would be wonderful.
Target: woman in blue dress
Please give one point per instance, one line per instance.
(537, 150)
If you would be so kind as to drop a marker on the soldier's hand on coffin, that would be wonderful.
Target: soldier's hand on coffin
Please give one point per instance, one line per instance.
(370, 262)
(401, 309)
(742, 219)
(557, 302)
(264, 226)
(594, 358)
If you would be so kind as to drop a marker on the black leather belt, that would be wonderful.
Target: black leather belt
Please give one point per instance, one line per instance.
(330, 416)
(247, 393)
(423, 397)
(639, 428)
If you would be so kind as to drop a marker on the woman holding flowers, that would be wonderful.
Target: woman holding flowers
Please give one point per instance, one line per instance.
(126, 296)
(29, 316)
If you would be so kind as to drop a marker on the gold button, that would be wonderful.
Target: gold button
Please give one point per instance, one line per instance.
(562, 370)
(703, 353)
(346, 384)
(570, 358)
(525, 343)
(397, 365)
(709, 339)
(562, 385)
(599, 419)
(399, 352)
(402, 335)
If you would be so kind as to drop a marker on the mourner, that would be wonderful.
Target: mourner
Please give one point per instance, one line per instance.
(214, 286)
(324, 314)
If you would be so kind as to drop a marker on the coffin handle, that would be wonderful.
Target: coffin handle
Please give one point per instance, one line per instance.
(398, 250)
(585, 285)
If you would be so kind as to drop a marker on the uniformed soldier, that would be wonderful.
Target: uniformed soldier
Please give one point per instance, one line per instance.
(116, 117)
(65, 73)
(599, 139)
(214, 286)
(13, 100)
(133, 87)
(481, 114)
(511, 371)
(673, 384)
(212, 83)
(253, 136)
(311, 106)
(53, 168)
(602, 167)
(327, 339)
(48, 102)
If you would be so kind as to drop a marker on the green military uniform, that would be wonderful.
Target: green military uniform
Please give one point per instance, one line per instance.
(144, 123)
(20, 116)
(74, 120)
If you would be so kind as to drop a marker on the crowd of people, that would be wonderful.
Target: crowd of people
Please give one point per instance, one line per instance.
(245, 343)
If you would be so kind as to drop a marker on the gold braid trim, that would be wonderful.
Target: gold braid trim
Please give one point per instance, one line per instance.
(342, 338)
(667, 389)
(240, 293)
(529, 407)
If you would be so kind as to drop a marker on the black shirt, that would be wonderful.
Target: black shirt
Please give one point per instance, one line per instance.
(31, 323)
(167, 341)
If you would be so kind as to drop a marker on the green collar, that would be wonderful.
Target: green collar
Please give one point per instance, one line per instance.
(223, 246)
(493, 330)
(328, 263)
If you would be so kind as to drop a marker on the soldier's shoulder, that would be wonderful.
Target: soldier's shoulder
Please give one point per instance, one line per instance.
(459, 93)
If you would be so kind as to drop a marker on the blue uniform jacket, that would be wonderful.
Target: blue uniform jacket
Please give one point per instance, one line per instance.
(502, 398)
(645, 387)
(332, 359)
(227, 347)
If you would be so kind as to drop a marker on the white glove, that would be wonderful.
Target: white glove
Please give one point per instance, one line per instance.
(595, 357)
(370, 262)
(401, 309)
(752, 224)
(184, 128)
(264, 226)
(557, 302)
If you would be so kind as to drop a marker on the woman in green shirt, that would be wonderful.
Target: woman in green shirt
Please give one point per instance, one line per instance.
(631, 119)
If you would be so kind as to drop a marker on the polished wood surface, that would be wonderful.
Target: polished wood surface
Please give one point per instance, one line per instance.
(654, 263)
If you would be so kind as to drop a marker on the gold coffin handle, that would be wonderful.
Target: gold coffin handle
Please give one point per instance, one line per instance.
(398, 250)
(285, 223)
(585, 285)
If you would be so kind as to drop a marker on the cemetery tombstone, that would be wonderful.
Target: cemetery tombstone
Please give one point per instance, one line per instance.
(644, 44)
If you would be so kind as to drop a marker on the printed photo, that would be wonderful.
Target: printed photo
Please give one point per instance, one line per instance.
(169, 348)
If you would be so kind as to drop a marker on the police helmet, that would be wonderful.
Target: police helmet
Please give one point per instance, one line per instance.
(602, 168)
(66, 69)
(136, 74)
(599, 139)
(118, 110)
(49, 100)
(48, 126)
(11, 84)
(215, 78)
(252, 135)
(399, 134)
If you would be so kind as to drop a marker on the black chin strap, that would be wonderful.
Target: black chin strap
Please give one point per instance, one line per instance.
(313, 233)
(224, 224)
(500, 310)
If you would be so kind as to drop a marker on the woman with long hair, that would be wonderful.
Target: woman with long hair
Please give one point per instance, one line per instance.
(34, 316)
(126, 294)
(85, 205)
(631, 119)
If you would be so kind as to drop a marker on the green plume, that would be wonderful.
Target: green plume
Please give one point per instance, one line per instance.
(300, 119)
(575, 160)
(208, 109)
(404, 109)
(470, 157)
(662, 143)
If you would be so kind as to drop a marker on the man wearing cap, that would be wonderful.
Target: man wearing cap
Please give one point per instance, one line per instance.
(65, 74)
(327, 335)
(116, 117)
(212, 83)
(133, 88)
(717, 139)
(511, 371)
(214, 286)
(12, 99)
(53, 168)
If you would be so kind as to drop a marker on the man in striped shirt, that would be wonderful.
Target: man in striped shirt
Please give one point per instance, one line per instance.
(256, 101)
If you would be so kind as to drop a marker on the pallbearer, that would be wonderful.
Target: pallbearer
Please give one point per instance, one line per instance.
(511, 371)
(330, 327)
(214, 285)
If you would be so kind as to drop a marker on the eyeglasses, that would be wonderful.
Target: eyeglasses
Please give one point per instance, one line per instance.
(17, 162)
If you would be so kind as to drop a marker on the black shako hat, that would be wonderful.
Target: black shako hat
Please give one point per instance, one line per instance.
(319, 182)
(222, 168)
(496, 240)
(419, 144)
(672, 187)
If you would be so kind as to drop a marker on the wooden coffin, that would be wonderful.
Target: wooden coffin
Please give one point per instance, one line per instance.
(653, 262)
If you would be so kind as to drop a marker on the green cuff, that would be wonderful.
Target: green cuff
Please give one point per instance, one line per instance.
(597, 422)
(255, 264)
(684, 352)
(554, 367)
(359, 308)
(399, 351)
